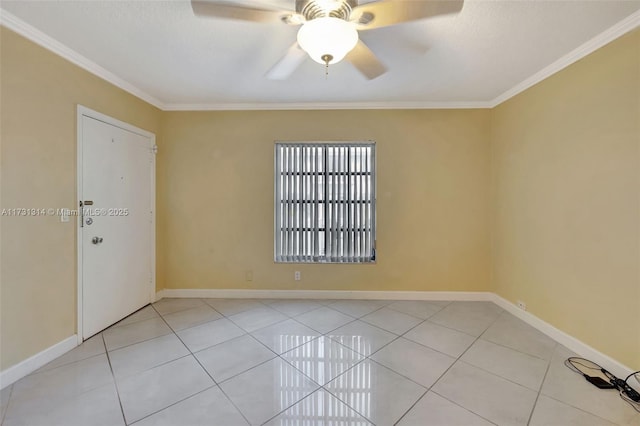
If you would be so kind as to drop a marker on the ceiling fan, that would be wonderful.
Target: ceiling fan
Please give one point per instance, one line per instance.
(329, 28)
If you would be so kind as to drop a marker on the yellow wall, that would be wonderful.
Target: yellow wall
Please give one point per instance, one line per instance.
(566, 182)
(39, 92)
(215, 199)
(551, 178)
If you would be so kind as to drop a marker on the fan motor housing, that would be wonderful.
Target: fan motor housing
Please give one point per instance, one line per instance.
(312, 9)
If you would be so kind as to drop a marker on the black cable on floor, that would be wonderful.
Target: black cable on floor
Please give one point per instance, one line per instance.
(603, 379)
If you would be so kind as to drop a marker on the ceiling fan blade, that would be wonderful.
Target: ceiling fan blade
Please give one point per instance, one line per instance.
(287, 64)
(389, 12)
(228, 10)
(366, 61)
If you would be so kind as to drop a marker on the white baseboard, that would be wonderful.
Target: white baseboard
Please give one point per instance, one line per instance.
(559, 336)
(325, 294)
(31, 364)
(577, 346)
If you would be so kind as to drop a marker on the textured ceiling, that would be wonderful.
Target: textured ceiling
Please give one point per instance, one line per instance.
(161, 48)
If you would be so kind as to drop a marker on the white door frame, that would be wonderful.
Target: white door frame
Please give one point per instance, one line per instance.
(83, 111)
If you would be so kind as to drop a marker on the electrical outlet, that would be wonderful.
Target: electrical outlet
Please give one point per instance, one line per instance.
(296, 276)
(521, 305)
(248, 275)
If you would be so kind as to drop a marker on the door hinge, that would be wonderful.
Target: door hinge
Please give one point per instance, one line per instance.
(154, 149)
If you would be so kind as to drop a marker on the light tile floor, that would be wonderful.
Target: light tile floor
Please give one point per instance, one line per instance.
(221, 362)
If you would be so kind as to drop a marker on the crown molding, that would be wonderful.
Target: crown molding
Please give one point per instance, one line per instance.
(324, 106)
(17, 25)
(628, 24)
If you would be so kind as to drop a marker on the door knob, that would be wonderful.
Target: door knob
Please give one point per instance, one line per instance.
(96, 240)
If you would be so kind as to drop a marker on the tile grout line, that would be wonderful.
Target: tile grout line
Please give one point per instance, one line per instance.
(427, 389)
(411, 407)
(115, 383)
(135, 343)
(277, 356)
(360, 318)
(281, 356)
(281, 412)
(318, 331)
(535, 403)
(430, 388)
(464, 408)
(429, 347)
(344, 402)
(248, 369)
(37, 372)
(582, 410)
(320, 386)
(6, 408)
(568, 404)
(311, 340)
(246, 331)
(235, 313)
(141, 341)
(333, 341)
(192, 308)
(153, 305)
(490, 341)
(506, 347)
(215, 383)
(117, 324)
(447, 327)
(365, 357)
(352, 316)
(460, 331)
(451, 366)
(397, 336)
(518, 350)
(415, 316)
(301, 313)
(172, 404)
(155, 366)
(249, 333)
(499, 376)
(186, 347)
(369, 357)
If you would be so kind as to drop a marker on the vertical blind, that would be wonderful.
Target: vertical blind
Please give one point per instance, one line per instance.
(325, 202)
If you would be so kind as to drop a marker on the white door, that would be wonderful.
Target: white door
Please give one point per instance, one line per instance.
(116, 233)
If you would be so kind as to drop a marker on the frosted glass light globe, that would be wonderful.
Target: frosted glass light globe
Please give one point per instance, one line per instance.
(327, 36)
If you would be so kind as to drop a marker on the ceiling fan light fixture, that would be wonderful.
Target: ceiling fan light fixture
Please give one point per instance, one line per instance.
(327, 37)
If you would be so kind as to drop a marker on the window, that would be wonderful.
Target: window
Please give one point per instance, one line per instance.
(325, 202)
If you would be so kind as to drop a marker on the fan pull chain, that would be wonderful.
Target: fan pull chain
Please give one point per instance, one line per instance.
(326, 58)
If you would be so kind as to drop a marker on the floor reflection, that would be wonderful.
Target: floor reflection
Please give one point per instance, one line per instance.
(320, 408)
(323, 359)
